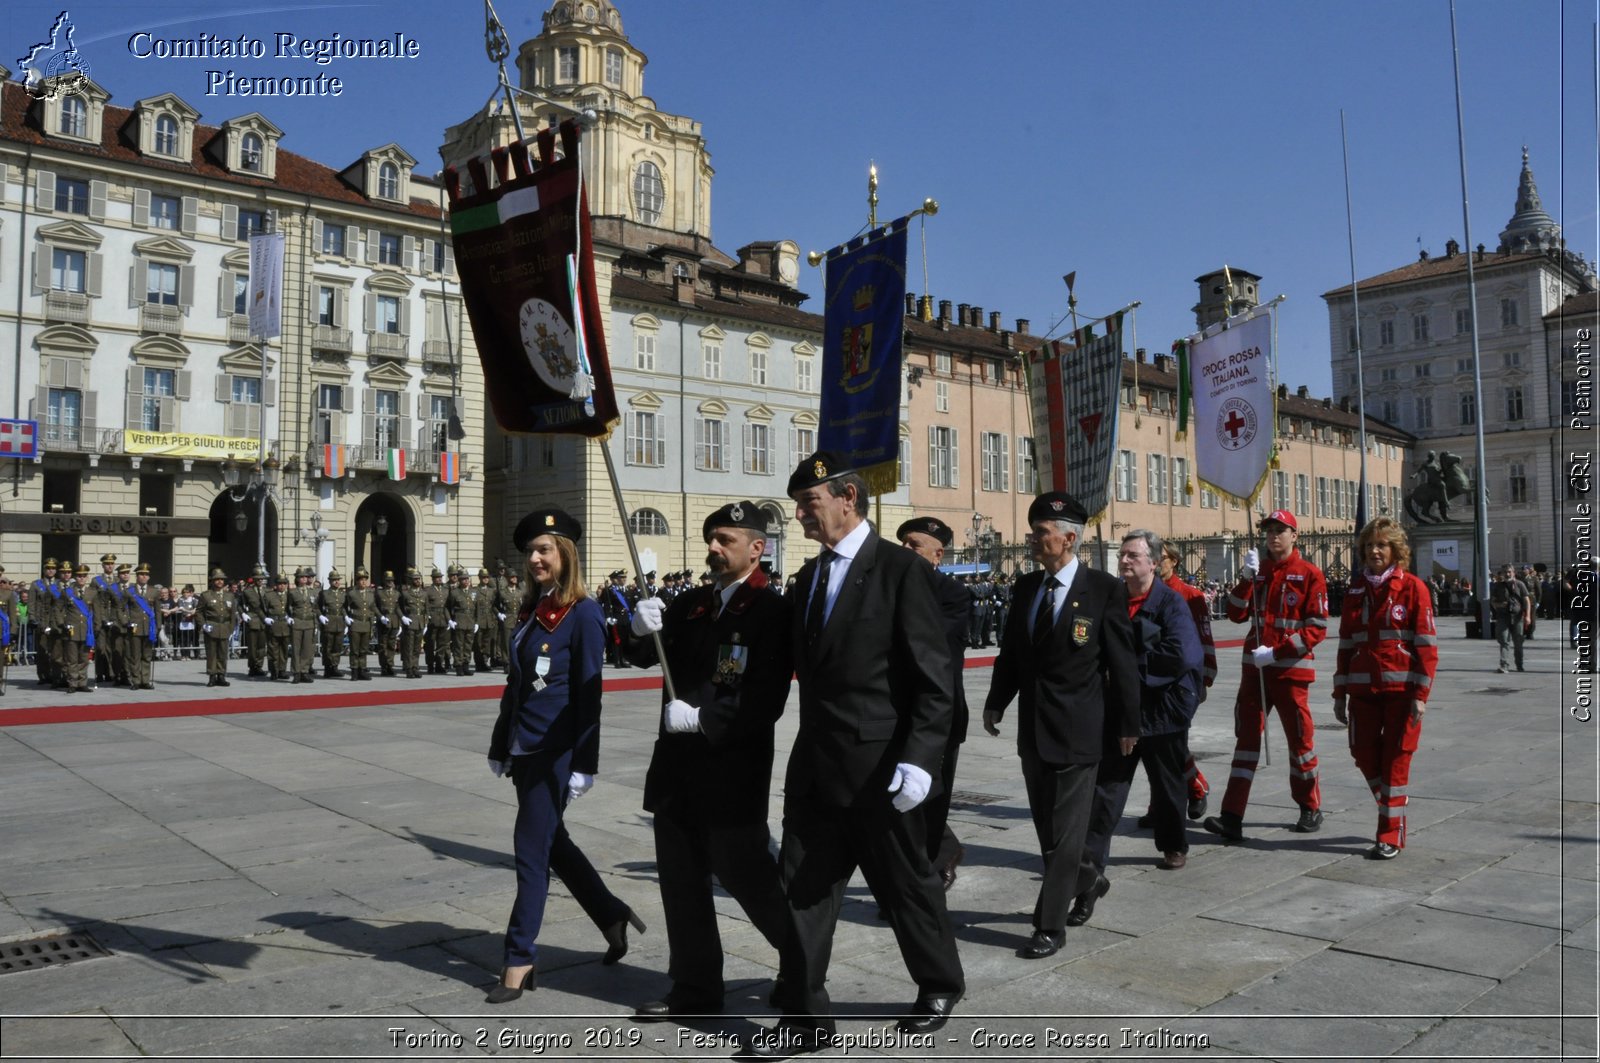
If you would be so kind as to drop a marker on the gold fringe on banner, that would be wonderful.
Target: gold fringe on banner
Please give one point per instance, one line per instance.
(882, 478)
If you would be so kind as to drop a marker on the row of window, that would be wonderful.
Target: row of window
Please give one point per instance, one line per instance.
(1422, 327)
(712, 364)
(1167, 481)
(1418, 414)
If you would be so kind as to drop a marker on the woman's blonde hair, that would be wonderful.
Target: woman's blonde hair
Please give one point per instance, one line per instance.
(569, 585)
(1385, 529)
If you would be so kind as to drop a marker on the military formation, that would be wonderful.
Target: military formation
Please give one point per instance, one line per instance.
(89, 631)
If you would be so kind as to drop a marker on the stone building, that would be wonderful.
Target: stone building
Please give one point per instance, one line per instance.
(168, 433)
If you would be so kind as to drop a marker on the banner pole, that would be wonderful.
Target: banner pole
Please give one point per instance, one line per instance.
(638, 567)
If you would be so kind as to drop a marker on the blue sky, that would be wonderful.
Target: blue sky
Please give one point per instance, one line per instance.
(1140, 144)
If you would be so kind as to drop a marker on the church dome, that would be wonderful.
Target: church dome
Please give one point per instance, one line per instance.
(573, 14)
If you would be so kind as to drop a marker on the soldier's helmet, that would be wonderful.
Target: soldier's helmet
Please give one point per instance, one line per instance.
(333, 574)
(362, 573)
(282, 577)
(436, 573)
(217, 573)
(483, 573)
(388, 576)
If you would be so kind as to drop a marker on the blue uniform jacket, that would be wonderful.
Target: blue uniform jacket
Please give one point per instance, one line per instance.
(1167, 645)
(563, 716)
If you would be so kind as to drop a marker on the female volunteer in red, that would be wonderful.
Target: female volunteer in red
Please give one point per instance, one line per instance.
(548, 740)
(1388, 651)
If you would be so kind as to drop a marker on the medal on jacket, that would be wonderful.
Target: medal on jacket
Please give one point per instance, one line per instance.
(541, 668)
(1080, 630)
(730, 662)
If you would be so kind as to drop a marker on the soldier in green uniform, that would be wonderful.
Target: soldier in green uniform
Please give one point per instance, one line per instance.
(330, 614)
(388, 628)
(58, 641)
(487, 615)
(412, 608)
(302, 622)
(141, 628)
(10, 631)
(508, 621)
(77, 631)
(44, 601)
(436, 633)
(255, 632)
(120, 640)
(218, 613)
(275, 617)
(461, 604)
(105, 603)
(361, 616)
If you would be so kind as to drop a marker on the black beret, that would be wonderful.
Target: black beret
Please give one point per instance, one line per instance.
(744, 514)
(819, 468)
(546, 522)
(927, 526)
(1057, 505)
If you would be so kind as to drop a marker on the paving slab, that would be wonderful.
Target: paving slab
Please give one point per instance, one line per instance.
(1314, 908)
(1452, 941)
(1418, 869)
(1520, 896)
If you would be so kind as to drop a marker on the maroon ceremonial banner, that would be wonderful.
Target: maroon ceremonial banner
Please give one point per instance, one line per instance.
(524, 252)
(1073, 387)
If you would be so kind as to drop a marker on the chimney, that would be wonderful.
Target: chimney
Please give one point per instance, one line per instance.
(911, 304)
(1164, 363)
(1022, 325)
(1451, 248)
(1344, 403)
(1327, 402)
(962, 313)
(944, 311)
(1283, 391)
(994, 321)
(1303, 391)
(1422, 256)
(1005, 339)
(1138, 355)
(1480, 252)
(977, 317)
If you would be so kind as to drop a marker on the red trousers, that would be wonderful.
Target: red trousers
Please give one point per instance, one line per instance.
(1249, 721)
(1382, 738)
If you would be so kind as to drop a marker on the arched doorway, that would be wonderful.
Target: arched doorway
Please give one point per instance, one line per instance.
(384, 536)
(242, 532)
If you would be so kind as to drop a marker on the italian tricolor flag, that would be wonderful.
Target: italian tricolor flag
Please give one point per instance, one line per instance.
(397, 464)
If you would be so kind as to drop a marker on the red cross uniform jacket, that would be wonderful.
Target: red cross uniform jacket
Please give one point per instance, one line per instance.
(1387, 641)
(1291, 607)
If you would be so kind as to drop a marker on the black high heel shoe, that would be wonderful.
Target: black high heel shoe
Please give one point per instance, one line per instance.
(616, 936)
(504, 994)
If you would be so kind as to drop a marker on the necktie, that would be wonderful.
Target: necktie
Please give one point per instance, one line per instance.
(819, 597)
(1044, 620)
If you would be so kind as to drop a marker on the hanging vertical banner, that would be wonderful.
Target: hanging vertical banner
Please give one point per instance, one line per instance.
(524, 253)
(333, 460)
(861, 354)
(1073, 387)
(449, 467)
(397, 463)
(1235, 415)
(266, 285)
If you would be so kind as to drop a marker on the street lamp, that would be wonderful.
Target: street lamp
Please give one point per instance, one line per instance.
(262, 481)
(380, 528)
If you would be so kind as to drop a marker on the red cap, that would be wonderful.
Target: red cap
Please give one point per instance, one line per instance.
(1282, 516)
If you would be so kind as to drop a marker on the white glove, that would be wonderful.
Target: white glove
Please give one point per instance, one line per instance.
(322, 618)
(647, 616)
(48, 630)
(909, 786)
(502, 617)
(268, 619)
(406, 620)
(1252, 562)
(474, 629)
(383, 620)
(245, 617)
(579, 783)
(291, 621)
(1261, 656)
(452, 625)
(499, 767)
(207, 629)
(682, 717)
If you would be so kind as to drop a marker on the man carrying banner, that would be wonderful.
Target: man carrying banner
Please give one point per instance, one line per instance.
(1286, 604)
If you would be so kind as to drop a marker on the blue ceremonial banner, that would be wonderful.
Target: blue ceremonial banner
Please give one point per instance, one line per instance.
(862, 331)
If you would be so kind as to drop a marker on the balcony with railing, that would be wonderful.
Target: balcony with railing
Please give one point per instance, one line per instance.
(390, 346)
(239, 328)
(437, 356)
(69, 307)
(330, 339)
(159, 319)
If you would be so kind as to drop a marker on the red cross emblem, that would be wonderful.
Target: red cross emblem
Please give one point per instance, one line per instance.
(1234, 424)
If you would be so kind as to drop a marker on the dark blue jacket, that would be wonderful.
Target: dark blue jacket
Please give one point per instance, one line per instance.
(1167, 645)
(564, 715)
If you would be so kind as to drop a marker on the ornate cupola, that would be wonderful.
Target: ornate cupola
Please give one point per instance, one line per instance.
(1530, 228)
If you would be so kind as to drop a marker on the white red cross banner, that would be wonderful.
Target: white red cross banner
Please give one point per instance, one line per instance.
(19, 439)
(1235, 416)
(526, 259)
(1073, 387)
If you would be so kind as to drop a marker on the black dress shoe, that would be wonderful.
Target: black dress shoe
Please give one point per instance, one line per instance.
(947, 874)
(1083, 907)
(1145, 822)
(504, 994)
(927, 1014)
(616, 936)
(785, 1041)
(222, 681)
(1197, 807)
(1043, 943)
(674, 1008)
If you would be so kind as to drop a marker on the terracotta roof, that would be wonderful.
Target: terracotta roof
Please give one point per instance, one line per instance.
(1434, 268)
(1584, 304)
(295, 173)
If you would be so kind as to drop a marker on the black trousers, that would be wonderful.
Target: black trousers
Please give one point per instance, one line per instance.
(689, 852)
(822, 847)
(1163, 757)
(943, 845)
(1060, 797)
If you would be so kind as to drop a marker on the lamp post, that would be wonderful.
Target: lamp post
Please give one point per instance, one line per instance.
(380, 528)
(262, 481)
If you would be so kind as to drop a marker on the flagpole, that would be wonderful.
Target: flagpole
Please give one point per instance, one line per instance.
(1355, 304)
(1480, 541)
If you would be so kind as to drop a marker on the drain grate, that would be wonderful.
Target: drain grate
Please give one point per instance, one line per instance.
(51, 951)
(968, 797)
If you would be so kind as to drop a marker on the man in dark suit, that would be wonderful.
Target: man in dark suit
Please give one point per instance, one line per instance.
(929, 537)
(1068, 653)
(727, 649)
(875, 706)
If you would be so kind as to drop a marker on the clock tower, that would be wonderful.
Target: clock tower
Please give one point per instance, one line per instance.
(645, 168)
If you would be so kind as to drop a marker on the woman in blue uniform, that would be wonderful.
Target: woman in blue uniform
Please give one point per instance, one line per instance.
(547, 739)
